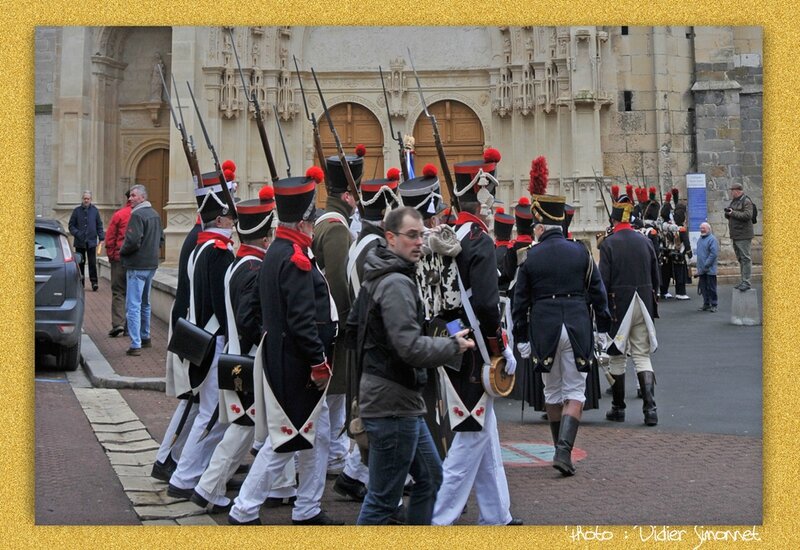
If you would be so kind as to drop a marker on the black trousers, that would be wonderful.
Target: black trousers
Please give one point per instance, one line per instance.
(90, 255)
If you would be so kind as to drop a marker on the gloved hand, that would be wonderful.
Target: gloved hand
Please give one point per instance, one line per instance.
(603, 340)
(524, 349)
(511, 362)
(320, 374)
(689, 254)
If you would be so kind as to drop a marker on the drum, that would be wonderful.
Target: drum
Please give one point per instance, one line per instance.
(495, 380)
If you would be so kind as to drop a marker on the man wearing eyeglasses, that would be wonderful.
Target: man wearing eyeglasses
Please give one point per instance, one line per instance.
(394, 358)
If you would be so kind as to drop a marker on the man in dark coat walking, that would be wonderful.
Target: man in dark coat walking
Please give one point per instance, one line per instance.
(86, 226)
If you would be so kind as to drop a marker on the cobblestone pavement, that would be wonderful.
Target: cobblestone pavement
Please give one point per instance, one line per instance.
(627, 474)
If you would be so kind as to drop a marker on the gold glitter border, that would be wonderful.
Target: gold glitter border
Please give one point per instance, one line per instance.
(781, 122)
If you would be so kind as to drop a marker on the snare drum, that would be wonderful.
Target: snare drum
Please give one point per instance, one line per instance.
(495, 380)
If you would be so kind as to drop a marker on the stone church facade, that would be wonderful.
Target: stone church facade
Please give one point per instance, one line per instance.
(650, 104)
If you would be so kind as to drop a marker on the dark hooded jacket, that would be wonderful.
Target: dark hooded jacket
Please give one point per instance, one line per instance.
(393, 350)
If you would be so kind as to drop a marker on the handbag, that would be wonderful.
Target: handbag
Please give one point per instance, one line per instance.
(235, 372)
(192, 343)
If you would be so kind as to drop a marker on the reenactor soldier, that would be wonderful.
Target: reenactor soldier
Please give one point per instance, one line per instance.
(503, 247)
(331, 244)
(676, 249)
(300, 323)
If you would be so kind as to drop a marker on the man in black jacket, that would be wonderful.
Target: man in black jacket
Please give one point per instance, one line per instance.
(86, 227)
(394, 355)
(139, 254)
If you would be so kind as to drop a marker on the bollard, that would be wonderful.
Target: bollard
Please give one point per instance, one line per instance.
(744, 308)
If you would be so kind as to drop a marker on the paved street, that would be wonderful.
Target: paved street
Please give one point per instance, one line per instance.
(700, 465)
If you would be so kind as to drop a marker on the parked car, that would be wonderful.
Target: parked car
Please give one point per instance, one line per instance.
(59, 295)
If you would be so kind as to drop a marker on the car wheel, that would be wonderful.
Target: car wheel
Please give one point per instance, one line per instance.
(69, 358)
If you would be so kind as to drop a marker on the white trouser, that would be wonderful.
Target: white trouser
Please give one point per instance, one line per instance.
(638, 346)
(340, 444)
(354, 468)
(230, 452)
(474, 459)
(196, 453)
(564, 381)
(166, 445)
(268, 466)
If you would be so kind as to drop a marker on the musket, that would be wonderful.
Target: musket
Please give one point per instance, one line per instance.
(448, 179)
(600, 186)
(399, 137)
(283, 142)
(191, 156)
(348, 175)
(262, 132)
(224, 184)
(313, 119)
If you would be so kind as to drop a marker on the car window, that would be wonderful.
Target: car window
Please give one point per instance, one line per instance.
(46, 246)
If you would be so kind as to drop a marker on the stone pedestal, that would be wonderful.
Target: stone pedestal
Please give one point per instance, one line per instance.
(744, 308)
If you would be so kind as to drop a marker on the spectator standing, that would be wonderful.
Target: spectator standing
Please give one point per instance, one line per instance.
(739, 214)
(707, 252)
(86, 227)
(115, 236)
(139, 253)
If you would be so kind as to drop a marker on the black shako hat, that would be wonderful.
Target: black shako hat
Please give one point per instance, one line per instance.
(465, 173)
(255, 216)
(378, 195)
(335, 181)
(423, 192)
(621, 210)
(503, 225)
(210, 199)
(294, 197)
(523, 216)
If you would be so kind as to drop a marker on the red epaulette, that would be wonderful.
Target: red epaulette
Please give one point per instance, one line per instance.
(299, 259)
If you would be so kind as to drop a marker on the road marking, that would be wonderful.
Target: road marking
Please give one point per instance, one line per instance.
(532, 454)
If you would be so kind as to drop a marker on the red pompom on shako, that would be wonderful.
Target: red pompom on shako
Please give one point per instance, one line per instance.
(229, 175)
(429, 171)
(539, 174)
(491, 155)
(315, 173)
(266, 193)
(500, 210)
(361, 150)
(524, 201)
(393, 174)
(229, 165)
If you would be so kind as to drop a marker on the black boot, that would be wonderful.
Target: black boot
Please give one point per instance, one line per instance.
(562, 459)
(646, 381)
(555, 429)
(617, 412)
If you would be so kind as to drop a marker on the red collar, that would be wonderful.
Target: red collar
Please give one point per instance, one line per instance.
(247, 250)
(507, 244)
(464, 217)
(525, 239)
(294, 236)
(222, 241)
(622, 227)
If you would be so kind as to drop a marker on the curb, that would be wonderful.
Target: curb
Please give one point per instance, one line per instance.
(102, 375)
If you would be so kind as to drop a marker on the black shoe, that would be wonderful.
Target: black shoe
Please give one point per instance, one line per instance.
(198, 499)
(320, 519)
(346, 486)
(134, 352)
(232, 521)
(515, 521)
(705, 307)
(116, 331)
(175, 492)
(94, 287)
(713, 309)
(163, 470)
(146, 343)
(277, 502)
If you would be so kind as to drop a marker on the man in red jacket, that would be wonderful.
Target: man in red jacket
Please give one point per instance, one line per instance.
(114, 238)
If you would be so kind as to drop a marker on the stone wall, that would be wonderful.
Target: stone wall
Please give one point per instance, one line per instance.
(45, 57)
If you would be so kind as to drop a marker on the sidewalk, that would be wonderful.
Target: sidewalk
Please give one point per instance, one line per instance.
(627, 474)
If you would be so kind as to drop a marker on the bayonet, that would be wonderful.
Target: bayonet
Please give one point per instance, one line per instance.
(191, 157)
(259, 117)
(399, 138)
(348, 175)
(283, 142)
(314, 127)
(448, 179)
(223, 183)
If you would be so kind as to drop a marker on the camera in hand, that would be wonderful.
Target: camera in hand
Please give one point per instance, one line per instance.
(455, 326)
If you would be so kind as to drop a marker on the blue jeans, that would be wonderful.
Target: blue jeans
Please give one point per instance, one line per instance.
(708, 288)
(137, 304)
(399, 446)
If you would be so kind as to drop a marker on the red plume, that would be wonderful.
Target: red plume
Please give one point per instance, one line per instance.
(615, 193)
(229, 175)
(491, 155)
(393, 174)
(361, 150)
(652, 192)
(641, 194)
(229, 165)
(668, 196)
(524, 201)
(429, 171)
(500, 210)
(266, 193)
(675, 194)
(629, 192)
(315, 173)
(539, 173)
